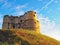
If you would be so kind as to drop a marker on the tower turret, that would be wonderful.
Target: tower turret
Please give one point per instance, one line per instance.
(31, 22)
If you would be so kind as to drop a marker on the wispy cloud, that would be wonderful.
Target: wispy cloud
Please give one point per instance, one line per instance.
(1, 20)
(18, 13)
(49, 27)
(19, 7)
(6, 5)
(46, 5)
(37, 10)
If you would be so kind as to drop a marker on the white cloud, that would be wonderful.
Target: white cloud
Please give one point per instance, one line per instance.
(18, 13)
(0, 25)
(37, 10)
(1, 20)
(49, 27)
(5, 5)
(19, 7)
(46, 5)
(56, 1)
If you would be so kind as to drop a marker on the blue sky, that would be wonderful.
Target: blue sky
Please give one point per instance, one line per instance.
(48, 13)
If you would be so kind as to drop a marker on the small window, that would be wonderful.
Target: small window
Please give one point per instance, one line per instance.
(11, 19)
(20, 20)
(13, 25)
(34, 15)
(18, 27)
(8, 25)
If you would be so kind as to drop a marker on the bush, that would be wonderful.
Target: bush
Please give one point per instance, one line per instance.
(4, 43)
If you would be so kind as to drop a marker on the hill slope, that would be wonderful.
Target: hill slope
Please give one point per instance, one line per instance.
(25, 37)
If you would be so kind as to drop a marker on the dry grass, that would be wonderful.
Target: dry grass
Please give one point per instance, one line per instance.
(33, 38)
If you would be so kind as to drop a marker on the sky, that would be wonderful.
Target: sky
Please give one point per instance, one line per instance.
(48, 13)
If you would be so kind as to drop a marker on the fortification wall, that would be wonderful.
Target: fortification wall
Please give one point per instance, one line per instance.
(26, 21)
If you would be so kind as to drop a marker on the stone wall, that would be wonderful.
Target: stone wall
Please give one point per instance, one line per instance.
(26, 21)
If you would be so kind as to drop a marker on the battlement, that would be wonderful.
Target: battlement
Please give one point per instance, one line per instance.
(26, 21)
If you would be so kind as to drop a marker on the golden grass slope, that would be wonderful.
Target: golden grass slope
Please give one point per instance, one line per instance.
(25, 37)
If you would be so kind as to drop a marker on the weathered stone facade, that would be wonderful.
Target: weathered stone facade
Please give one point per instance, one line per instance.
(26, 21)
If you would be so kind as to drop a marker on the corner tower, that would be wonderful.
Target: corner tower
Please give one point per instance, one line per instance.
(31, 22)
(5, 22)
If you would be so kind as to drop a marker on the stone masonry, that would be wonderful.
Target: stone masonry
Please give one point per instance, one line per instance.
(26, 21)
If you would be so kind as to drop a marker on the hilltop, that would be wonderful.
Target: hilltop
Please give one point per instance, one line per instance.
(25, 37)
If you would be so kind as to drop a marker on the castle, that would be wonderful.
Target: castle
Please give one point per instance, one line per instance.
(26, 21)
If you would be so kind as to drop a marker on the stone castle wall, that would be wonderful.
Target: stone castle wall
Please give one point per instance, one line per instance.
(26, 21)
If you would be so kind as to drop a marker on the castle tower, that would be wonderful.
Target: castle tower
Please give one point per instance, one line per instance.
(31, 22)
(26, 21)
(5, 21)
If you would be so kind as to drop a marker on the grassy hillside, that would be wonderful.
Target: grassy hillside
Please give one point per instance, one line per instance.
(25, 37)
